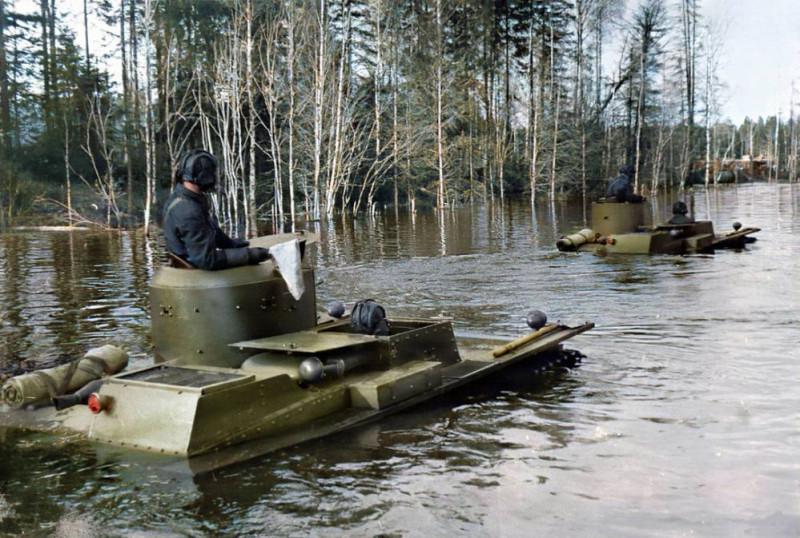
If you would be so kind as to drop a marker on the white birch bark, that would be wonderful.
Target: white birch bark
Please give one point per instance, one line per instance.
(67, 179)
(150, 180)
(251, 220)
(440, 197)
(319, 91)
(708, 121)
(553, 164)
(290, 52)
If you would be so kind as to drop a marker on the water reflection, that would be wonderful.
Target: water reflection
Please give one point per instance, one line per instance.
(681, 420)
(65, 292)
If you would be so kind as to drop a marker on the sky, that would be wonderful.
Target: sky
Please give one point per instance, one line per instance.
(759, 60)
(761, 55)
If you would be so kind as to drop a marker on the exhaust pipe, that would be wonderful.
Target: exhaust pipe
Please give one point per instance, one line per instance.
(80, 396)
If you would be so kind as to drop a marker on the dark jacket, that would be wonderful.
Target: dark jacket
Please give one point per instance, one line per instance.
(621, 188)
(192, 233)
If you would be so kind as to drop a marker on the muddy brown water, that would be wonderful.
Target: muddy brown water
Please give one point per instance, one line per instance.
(681, 420)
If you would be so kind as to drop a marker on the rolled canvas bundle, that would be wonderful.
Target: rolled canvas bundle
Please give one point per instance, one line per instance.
(39, 387)
(573, 241)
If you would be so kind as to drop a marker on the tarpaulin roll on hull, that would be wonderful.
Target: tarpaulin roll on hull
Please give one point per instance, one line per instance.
(39, 387)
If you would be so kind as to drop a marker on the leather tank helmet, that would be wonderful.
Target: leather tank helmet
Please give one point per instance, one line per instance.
(679, 208)
(199, 167)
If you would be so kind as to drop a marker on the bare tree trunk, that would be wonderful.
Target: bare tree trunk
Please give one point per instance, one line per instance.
(126, 107)
(150, 195)
(67, 179)
(689, 15)
(533, 173)
(470, 149)
(640, 113)
(792, 146)
(319, 89)
(778, 146)
(336, 172)
(5, 105)
(608, 150)
(51, 35)
(290, 74)
(555, 147)
(533, 118)
(708, 123)
(377, 77)
(86, 34)
(276, 169)
(502, 146)
(250, 208)
(46, 52)
(581, 15)
(491, 133)
(555, 99)
(395, 151)
(134, 65)
(101, 156)
(440, 198)
(600, 15)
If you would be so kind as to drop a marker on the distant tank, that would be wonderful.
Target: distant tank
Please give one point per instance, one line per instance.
(238, 359)
(619, 228)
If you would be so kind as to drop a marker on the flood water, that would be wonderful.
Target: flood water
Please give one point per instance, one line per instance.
(683, 418)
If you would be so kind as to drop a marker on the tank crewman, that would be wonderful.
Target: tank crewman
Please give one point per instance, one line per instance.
(679, 214)
(190, 231)
(621, 188)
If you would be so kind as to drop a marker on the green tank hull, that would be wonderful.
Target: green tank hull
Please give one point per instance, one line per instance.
(234, 369)
(619, 228)
(193, 410)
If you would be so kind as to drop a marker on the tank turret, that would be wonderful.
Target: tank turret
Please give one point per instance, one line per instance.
(610, 218)
(197, 314)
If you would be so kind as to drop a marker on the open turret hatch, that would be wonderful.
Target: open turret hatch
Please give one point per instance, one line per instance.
(307, 342)
(407, 339)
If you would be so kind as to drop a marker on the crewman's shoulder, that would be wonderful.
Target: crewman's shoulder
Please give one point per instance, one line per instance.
(179, 204)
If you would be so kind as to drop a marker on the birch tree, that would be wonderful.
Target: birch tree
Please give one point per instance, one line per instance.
(440, 191)
(149, 131)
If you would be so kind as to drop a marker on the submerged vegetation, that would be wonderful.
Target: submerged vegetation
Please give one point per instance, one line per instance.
(316, 107)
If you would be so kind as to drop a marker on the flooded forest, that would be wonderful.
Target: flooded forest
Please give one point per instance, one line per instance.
(495, 268)
(316, 108)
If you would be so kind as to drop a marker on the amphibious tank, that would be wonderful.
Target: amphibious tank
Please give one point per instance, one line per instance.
(239, 359)
(619, 228)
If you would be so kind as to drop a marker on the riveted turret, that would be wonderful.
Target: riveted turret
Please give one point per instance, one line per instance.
(196, 314)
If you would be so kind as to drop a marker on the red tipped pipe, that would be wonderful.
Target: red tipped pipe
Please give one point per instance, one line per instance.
(96, 403)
